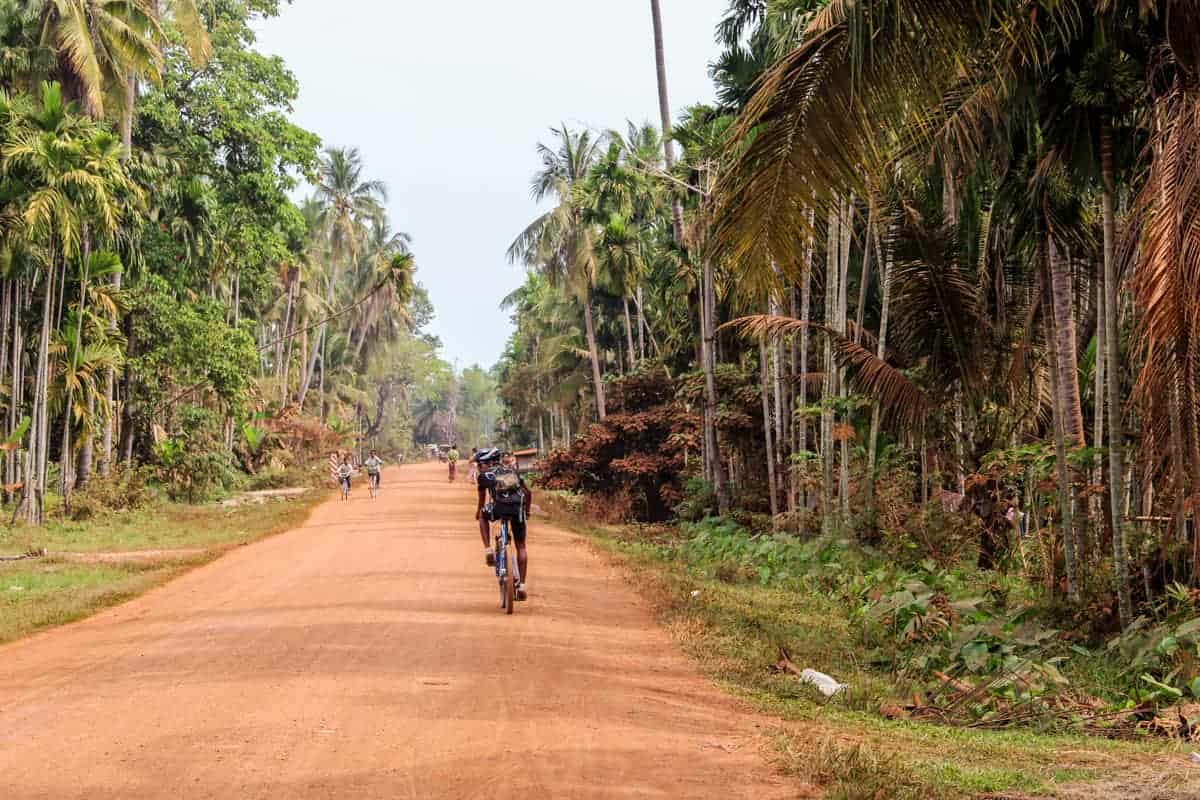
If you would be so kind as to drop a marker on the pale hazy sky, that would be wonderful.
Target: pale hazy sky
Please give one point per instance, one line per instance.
(447, 99)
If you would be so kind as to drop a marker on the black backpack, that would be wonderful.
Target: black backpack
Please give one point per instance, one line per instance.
(508, 496)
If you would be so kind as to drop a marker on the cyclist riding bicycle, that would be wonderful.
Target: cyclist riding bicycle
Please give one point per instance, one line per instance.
(503, 495)
(373, 465)
(452, 457)
(345, 471)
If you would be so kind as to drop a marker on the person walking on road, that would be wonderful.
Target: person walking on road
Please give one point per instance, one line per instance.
(452, 457)
(473, 469)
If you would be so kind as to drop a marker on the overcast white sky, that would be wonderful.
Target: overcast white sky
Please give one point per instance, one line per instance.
(447, 99)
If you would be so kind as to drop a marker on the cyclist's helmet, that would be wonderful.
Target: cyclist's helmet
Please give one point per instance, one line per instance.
(489, 456)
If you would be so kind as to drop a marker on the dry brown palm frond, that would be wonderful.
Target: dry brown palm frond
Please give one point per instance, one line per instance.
(906, 403)
(1166, 281)
(774, 326)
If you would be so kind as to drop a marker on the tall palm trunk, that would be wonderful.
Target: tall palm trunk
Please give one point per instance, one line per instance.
(789, 417)
(66, 460)
(1097, 509)
(776, 352)
(1063, 293)
(6, 310)
(641, 319)
(319, 342)
(633, 358)
(594, 354)
(716, 467)
(764, 378)
(847, 231)
(87, 450)
(15, 471)
(829, 386)
(1066, 510)
(110, 390)
(881, 352)
(864, 282)
(708, 356)
(35, 461)
(664, 110)
(1112, 335)
(1069, 428)
(283, 348)
(805, 316)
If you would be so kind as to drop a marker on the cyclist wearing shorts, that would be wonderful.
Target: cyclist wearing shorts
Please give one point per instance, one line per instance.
(452, 457)
(373, 465)
(492, 468)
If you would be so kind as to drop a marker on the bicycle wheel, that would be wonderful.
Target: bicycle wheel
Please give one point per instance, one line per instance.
(500, 570)
(510, 582)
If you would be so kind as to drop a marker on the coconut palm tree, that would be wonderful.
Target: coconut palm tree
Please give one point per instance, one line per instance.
(560, 244)
(350, 202)
(99, 44)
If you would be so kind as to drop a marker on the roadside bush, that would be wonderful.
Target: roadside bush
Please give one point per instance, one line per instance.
(699, 501)
(632, 465)
(125, 488)
(280, 479)
(932, 533)
(194, 465)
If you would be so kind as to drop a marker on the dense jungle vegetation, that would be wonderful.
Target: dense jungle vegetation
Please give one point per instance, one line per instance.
(166, 306)
(906, 318)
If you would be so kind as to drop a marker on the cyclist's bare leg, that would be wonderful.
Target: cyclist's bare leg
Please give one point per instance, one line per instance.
(485, 531)
(523, 561)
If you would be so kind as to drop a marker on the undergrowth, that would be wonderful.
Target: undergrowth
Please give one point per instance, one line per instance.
(734, 600)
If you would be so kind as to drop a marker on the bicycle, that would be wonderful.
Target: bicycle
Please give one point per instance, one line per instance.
(345, 488)
(373, 484)
(506, 555)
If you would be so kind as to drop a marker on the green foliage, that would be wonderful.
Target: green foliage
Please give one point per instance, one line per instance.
(126, 488)
(180, 343)
(699, 501)
(194, 465)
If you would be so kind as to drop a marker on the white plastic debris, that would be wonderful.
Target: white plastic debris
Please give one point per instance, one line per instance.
(825, 684)
(696, 593)
(1195, 757)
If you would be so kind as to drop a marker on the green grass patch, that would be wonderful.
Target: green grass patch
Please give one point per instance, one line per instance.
(161, 526)
(41, 594)
(75, 581)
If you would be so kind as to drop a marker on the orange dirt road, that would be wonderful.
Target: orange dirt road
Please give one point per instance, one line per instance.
(364, 655)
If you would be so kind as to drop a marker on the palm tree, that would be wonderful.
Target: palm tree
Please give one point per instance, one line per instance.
(349, 203)
(72, 190)
(384, 275)
(99, 44)
(560, 244)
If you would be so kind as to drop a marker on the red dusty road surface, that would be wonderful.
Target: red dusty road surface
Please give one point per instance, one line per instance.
(364, 655)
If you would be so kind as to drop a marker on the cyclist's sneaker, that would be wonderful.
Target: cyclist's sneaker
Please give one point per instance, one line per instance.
(489, 557)
(521, 593)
